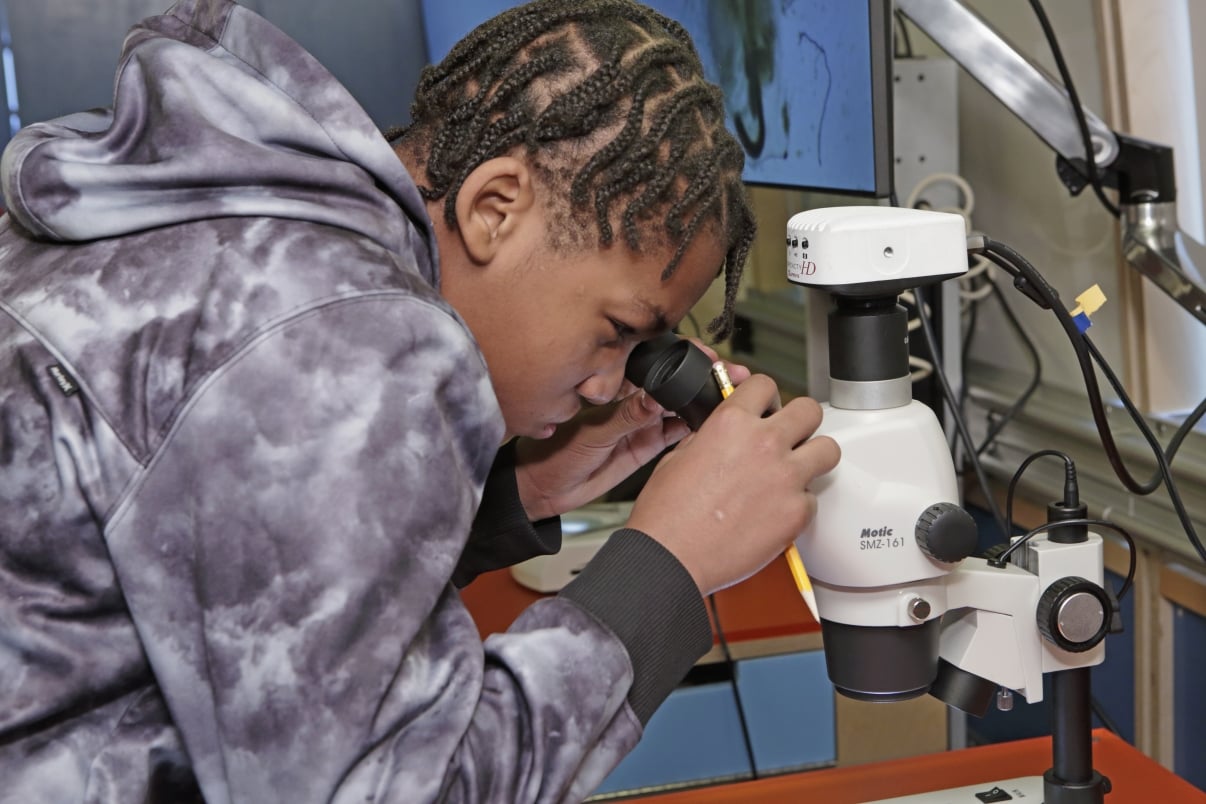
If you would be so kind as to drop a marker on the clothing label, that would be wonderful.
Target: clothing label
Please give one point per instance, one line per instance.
(63, 380)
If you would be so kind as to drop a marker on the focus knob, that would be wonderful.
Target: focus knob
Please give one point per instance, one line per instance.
(1072, 614)
(946, 532)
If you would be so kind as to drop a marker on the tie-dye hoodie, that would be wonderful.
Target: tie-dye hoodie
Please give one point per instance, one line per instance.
(243, 442)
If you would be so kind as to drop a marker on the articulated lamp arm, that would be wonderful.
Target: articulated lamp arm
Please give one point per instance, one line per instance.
(1141, 171)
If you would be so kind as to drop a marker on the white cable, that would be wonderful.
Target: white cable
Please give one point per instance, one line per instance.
(969, 197)
(924, 368)
(980, 268)
(908, 298)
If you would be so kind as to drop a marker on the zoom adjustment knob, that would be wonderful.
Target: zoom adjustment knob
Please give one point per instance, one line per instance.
(1073, 614)
(947, 533)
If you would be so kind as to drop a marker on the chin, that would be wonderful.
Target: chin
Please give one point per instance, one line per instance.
(542, 432)
(537, 432)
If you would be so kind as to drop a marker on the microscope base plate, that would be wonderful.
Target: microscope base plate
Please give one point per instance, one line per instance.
(1028, 789)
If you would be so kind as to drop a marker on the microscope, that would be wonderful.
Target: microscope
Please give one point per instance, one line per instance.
(905, 607)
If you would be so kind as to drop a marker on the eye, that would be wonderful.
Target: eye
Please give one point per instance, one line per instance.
(623, 331)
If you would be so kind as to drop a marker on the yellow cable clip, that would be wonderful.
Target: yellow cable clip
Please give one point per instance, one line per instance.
(1087, 303)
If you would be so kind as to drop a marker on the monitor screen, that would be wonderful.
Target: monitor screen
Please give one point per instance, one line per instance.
(807, 83)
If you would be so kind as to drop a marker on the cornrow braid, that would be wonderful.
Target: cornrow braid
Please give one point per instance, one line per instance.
(606, 94)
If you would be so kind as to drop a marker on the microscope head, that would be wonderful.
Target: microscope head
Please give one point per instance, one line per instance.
(874, 252)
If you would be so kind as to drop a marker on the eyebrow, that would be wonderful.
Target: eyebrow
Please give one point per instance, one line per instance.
(657, 314)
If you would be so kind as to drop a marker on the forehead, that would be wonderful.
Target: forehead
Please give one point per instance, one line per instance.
(638, 278)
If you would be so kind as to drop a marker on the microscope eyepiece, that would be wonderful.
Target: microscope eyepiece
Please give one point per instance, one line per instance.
(678, 375)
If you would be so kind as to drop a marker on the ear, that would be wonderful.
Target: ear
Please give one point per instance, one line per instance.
(491, 205)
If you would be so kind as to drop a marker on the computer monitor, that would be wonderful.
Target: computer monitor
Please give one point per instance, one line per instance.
(807, 83)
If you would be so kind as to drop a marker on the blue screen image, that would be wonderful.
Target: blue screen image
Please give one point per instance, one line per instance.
(796, 75)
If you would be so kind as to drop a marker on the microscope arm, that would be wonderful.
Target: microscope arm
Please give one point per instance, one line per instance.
(1141, 171)
(990, 631)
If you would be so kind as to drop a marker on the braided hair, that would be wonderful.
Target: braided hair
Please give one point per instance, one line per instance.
(605, 96)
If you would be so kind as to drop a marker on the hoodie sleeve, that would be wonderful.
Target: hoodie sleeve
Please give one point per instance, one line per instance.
(287, 560)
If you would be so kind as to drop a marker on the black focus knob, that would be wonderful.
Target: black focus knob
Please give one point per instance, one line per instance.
(1073, 614)
(946, 532)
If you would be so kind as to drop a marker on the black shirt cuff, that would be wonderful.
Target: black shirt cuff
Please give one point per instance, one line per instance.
(638, 589)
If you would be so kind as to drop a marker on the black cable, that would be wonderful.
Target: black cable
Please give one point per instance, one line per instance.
(1165, 471)
(964, 364)
(1077, 108)
(903, 30)
(965, 354)
(1003, 558)
(732, 667)
(1185, 429)
(995, 429)
(960, 424)
(1069, 467)
(1173, 445)
(1034, 285)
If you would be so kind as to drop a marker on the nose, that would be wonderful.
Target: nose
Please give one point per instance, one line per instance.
(604, 384)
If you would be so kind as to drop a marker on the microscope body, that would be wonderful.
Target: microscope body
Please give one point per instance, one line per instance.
(904, 607)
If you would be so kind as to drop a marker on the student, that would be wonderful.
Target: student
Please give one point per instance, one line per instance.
(255, 371)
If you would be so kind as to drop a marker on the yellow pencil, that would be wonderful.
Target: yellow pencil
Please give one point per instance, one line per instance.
(721, 375)
(796, 565)
(794, 562)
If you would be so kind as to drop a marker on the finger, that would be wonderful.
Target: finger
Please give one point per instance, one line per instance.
(818, 456)
(633, 413)
(673, 431)
(757, 394)
(707, 350)
(645, 445)
(627, 389)
(738, 373)
(821, 453)
(797, 420)
(605, 425)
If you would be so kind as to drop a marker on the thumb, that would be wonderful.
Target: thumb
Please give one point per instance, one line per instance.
(608, 425)
(635, 412)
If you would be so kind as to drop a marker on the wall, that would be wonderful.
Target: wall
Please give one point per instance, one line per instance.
(65, 51)
(1154, 69)
(1021, 202)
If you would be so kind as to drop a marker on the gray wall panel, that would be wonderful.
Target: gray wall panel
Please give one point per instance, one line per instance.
(65, 51)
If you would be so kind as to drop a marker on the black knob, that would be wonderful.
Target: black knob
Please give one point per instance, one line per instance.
(1073, 614)
(946, 532)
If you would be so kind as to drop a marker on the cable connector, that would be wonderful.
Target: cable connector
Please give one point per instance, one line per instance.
(977, 244)
(1067, 509)
(1087, 303)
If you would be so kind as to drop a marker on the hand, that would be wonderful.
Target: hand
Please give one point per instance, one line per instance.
(589, 455)
(735, 495)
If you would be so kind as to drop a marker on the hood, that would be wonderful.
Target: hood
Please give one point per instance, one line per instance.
(215, 113)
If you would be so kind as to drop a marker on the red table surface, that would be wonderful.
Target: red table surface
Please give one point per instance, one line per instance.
(763, 606)
(1135, 778)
